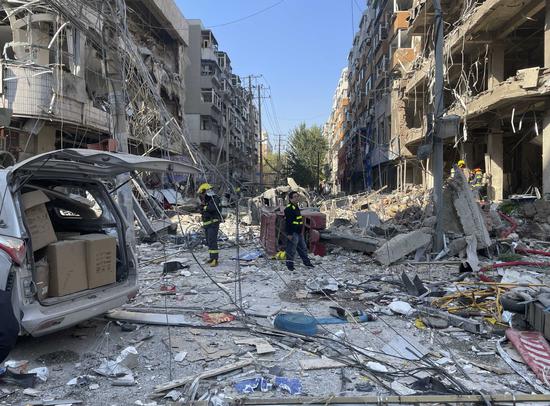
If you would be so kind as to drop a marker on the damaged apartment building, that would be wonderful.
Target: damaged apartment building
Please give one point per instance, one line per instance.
(333, 130)
(120, 76)
(221, 116)
(98, 75)
(369, 149)
(496, 57)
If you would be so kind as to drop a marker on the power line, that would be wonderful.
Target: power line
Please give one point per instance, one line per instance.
(248, 16)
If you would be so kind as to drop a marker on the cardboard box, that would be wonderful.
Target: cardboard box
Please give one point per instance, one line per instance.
(42, 278)
(67, 261)
(100, 259)
(38, 220)
(66, 235)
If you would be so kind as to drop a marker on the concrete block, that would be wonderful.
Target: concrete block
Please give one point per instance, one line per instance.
(456, 246)
(400, 246)
(429, 222)
(367, 218)
(471, 224)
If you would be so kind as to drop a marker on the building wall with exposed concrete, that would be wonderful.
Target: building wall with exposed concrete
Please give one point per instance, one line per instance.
(61, 70)
(496, 79)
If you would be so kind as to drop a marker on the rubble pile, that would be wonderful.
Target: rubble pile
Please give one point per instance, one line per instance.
(403, 322)
(404, 209)
(535, 219)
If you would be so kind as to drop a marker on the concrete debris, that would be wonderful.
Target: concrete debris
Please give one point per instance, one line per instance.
(200, 343)
(401, 307)
(400, 246)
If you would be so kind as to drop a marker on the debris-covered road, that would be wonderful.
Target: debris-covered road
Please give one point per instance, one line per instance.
(411, 328)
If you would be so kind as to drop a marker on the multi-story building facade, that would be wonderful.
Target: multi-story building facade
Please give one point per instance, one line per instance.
(70, 83)
(222, 119)
(370, 150)
(496, 56)
(334, 130)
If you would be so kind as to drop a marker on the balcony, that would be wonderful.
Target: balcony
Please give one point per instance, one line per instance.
(212, 98)
(402, 57)
(400, 22)
(29, 92)
(209, 54)
(208, 137)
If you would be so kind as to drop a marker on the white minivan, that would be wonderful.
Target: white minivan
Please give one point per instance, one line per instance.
(79, 185)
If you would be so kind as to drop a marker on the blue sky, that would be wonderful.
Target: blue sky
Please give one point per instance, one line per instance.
(299, 46)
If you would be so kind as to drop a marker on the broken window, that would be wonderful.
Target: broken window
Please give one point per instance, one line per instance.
(206, 124)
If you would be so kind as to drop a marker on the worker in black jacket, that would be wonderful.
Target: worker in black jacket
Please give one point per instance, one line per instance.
(9, 327)
(295, 238)
(211, 218)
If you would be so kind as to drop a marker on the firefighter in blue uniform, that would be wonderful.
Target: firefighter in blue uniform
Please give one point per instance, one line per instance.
(211, 218)
(295, 239)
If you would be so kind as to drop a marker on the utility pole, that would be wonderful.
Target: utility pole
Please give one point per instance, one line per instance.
(279, 158)
(438, 114)
(261, 136)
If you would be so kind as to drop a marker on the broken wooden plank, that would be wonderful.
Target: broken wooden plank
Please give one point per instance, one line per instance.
(404, 400)
(162, 319)
(157, 319)
(261, 344)
(320, 363)
(203, 375)
(472, 326)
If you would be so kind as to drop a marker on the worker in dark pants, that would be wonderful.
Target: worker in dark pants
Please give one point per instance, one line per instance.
(211, 218)
(295, 239)
(9, 327)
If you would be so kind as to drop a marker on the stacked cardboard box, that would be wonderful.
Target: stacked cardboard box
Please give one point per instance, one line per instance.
(72, 264)
(37, 219)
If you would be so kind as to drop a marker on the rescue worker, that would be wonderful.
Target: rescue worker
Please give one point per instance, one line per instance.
(211, 218)
(294, 223)
(462, 166)
(9, 327)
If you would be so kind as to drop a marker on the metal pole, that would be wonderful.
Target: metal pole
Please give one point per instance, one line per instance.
(227, 139)
(318, 171)
(261, 140)
(279, 160)
(437, 168)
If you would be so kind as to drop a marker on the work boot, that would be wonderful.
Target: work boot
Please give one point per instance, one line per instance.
(309, 265)
(214, 263)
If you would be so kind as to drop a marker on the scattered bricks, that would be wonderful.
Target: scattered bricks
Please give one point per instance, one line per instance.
(400, 246)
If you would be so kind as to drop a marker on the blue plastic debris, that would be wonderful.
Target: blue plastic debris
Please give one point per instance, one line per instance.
(250, 385)
(336, 320)
(291, 385)
(249, 256)
(298, 323)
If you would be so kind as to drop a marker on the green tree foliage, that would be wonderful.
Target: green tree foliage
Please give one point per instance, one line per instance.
(306, 155)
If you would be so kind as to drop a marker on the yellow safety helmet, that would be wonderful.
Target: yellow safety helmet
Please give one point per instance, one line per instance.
(204, 187)
(461, 163)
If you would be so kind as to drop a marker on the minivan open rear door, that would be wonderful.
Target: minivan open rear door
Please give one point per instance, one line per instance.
(97, 164)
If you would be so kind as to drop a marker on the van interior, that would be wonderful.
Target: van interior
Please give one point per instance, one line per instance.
(76, 208)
